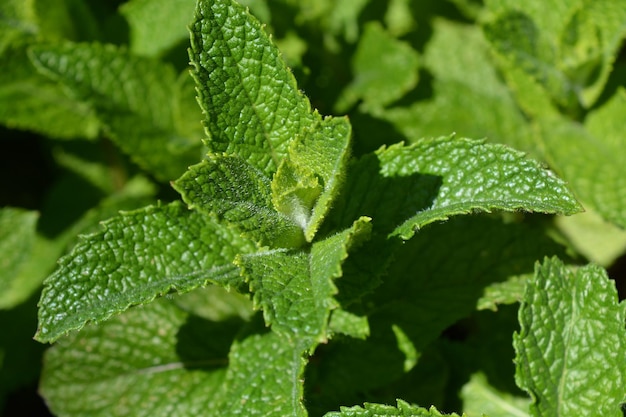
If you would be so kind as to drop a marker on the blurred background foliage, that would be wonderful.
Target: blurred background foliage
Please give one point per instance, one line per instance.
(545, 80)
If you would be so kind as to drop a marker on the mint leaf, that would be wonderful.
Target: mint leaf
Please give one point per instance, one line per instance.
(18, 21)
(598, 240)
(479, 397)
(349, 324)
(569, 349)
(17, 239)
(264, 378)
(308, 181)
(434, 179)
(236, 191)
(423, 293)
(507, 292)
(138, 256)
(252, 106)
(378, 410)
(591, 159)
(156, 26)
(568, 49)
(29, 100)
(176, 366)
(384, 70)
(295, 288)
(468, 97)
(132, 97)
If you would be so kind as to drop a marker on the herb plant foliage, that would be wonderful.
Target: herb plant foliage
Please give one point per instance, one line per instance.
(302, 273)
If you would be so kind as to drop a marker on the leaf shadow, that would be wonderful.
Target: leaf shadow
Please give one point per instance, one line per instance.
(387, 200)
(205, 344)
(429, 289)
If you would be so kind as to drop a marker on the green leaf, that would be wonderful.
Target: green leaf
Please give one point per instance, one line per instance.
(571, 343)
(384, 69)
(132, 96)
(139, 256)
(349, 324)
(308, 181)
(20, 355)
(234, 190)
(479, 397)
(264, 378)
(598, 240)
(378, 410)
(592, 159)
(17, 241)
(468, 97)
(153, 360)
(424, 292)
(29, 100)
(18, 21)
(567, 48)
(295, 288)
(156, 26)
(407, 187)
(252, 106)
(507, 292)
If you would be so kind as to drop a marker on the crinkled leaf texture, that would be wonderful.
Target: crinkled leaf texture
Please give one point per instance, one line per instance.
(403, 409)
(295, 288)
(403, 188)
(139, 256)
(570, 349)
(154, 360)
(239, 193)
(254, 111)
(161, 360)
(251, 102)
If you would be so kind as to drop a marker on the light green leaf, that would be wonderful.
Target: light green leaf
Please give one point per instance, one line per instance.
(507, 292)
(403, 409)
(337, 19)
(29, 100)
(139, 256)
(236, 191)
(18, 21)
(383, 67)
(264, 378)
(571, 343)
(479, 397)
(186, 113)
(295, 289)
(153, 360)
(434, 179)
(349, 324)
(157, 25)
(568, 47)
(592, 160)
(598, 240)
(308, 181)
(18, 241)
(468, 97)
(398, 18)
(132, 97)
(252, 105)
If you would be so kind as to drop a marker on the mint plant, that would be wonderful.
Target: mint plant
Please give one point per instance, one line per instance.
(308, 264)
